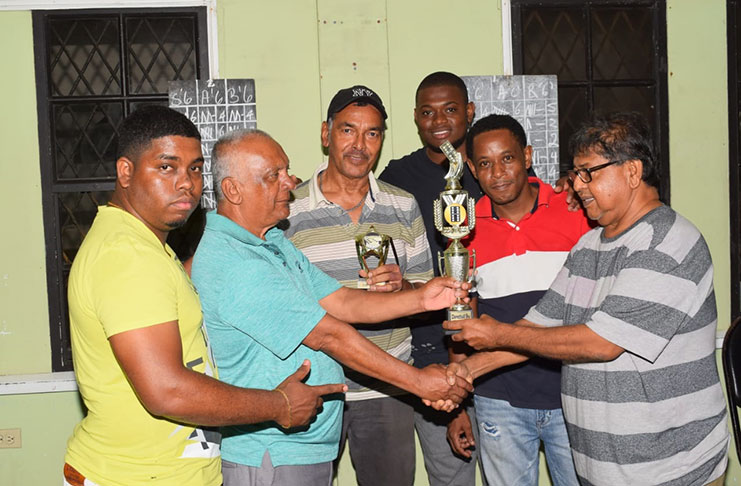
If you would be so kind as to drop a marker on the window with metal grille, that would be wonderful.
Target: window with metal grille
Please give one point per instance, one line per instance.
(609, 55)
(93, 68)
(734, 151)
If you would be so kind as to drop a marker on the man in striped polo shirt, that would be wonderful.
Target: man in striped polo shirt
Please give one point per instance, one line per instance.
(632, 314)
(341, 201)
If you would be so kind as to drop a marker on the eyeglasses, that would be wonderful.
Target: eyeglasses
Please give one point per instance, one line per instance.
(586, 174)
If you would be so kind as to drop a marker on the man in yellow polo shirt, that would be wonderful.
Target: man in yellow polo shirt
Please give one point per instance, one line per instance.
(141, 354)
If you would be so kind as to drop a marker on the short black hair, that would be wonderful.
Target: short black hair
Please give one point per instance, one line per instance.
(619, 136)
(442, 78)
(149, 122)
(495, 122)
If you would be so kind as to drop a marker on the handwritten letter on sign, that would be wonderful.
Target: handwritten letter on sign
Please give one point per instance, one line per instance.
(216, 107)
(532, 101)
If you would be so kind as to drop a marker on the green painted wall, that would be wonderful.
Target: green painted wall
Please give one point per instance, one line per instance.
(698, 129)
(299, 61)
(24, 330)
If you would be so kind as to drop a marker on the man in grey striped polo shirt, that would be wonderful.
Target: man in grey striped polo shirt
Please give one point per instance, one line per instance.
(632, 315)
(341, 201)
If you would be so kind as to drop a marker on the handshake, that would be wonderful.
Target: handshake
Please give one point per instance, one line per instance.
(444, 387)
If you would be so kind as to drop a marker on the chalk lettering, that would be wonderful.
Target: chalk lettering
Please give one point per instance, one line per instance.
(207, 131)
(208, 200)
(232, 96)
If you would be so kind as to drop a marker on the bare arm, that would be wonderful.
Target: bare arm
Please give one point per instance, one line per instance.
(576, 343)
(151, 357)
(344, 343)
(481, 363)
(359, 306)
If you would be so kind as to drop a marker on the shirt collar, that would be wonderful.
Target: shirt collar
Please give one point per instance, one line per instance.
(317, 199)
(137, 225)
(222, 224)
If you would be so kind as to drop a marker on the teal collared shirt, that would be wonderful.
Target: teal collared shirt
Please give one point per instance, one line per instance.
(260, 299)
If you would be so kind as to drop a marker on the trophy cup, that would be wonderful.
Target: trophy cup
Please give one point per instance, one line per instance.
(455, 217)
(373, 244)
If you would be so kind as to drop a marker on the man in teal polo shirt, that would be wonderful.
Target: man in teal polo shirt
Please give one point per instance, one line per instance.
(266, 307)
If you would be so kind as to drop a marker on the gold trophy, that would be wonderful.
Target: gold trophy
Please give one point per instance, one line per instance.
(455, 217)
(373, 244)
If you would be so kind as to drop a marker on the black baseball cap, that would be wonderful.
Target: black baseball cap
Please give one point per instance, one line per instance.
(348, 96)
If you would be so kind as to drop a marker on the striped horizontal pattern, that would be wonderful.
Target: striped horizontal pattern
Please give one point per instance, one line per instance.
(517, 262)
(656, 414)
(325, 233)
(514, 274)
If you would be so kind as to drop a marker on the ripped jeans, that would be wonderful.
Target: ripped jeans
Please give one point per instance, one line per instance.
(509, 442)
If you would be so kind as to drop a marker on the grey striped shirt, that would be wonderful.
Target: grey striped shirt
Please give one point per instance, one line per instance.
(325, 233)
(656, 414)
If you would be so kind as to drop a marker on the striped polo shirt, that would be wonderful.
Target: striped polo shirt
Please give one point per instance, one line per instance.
(324, 232)
(656, 414)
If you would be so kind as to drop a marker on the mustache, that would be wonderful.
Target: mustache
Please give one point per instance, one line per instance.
(357, 153)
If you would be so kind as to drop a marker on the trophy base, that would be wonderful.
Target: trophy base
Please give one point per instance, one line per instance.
(363, 284)
(458, 315)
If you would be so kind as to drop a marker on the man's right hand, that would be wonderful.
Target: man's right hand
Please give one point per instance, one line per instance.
(303, 401)
(453, 372)
(479, 333)
(441, 390)
(460, 434)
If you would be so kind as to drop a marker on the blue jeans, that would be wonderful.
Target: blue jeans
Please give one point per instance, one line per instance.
(509, 442)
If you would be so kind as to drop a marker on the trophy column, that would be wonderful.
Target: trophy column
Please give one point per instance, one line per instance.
(455, 217)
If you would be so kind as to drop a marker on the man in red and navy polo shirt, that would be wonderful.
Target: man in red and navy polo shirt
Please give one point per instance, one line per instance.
(523, 233)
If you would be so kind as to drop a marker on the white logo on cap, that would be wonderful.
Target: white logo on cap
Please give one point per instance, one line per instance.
(361, 92)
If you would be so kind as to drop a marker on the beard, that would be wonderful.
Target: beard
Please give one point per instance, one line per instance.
(455, 143)
(178, 223)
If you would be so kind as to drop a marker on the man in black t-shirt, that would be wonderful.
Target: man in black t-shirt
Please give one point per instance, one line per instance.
(442, 112)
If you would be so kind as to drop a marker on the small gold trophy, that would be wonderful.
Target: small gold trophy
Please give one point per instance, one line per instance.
(455, 217)
(373, 244)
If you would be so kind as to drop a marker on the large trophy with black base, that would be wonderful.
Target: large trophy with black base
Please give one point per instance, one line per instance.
(455, 217)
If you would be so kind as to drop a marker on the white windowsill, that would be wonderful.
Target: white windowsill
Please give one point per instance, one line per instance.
(38, 383)
(65, 381)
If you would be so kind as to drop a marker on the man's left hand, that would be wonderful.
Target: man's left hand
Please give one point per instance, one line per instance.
(477, 333)
(385, 278)
(441, 293)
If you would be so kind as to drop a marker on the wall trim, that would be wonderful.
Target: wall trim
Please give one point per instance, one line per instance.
(70, 4)
(507, 65)
(63, 381)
